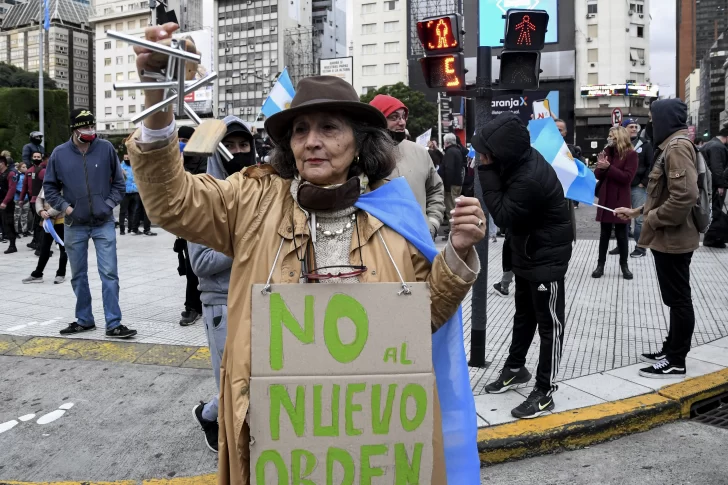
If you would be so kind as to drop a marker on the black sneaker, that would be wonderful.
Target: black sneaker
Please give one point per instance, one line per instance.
(653, 358)
(536, 404)
(74, 327)
(714, 244)
(663, 370)
(507, 380)
(121, 332)
(638, 253)
(191, 317)
(150, 233)
(500, 290)
(122, 232)
(614, 251)
(209, 427)
(12, 249)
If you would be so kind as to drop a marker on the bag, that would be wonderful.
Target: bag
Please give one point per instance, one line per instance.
(702, 210)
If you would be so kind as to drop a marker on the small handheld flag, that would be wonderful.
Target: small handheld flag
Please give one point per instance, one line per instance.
(280, 96)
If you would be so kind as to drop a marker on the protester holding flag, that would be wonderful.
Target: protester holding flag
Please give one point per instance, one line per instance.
(524, 196)
(320, 203)
(45, 211)
(616, 167)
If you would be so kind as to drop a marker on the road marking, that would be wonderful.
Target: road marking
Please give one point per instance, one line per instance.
(66, 406)
(50, 322)
(30, 324)
(54, 415)
(27, 417)
(7, 425)
(19, 327)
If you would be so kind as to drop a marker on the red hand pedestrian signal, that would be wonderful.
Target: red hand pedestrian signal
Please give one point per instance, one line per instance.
(525, 28)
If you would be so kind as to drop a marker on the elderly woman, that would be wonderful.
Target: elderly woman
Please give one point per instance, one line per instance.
(279, 223)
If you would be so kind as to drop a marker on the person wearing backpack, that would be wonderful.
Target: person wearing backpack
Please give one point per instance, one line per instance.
(671, 229)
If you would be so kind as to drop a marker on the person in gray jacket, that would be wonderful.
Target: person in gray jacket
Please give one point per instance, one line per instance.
(213, 270)
(413, 162)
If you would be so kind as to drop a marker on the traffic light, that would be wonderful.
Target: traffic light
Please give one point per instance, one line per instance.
(525, 35)
(444, 64)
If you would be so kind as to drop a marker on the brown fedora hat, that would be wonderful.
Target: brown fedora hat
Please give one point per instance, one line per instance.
(321, 93)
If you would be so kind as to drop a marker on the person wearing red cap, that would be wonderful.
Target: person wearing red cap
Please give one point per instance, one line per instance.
(413, 162)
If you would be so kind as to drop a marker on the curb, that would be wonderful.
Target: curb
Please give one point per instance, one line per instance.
(105, 350)
(582, 427)
(210, 479)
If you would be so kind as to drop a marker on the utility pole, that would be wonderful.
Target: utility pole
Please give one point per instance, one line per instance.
(439, 121)
(41, 107)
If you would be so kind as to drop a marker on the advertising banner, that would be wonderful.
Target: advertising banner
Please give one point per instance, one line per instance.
(523, 105)
(201, 100)
(342, 384)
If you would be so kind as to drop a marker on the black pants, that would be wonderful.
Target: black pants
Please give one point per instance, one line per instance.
(506, 254)
(45, 253)
(620, 230)
(140, 215)
(539, 305)
(8, 222)
(713, 235)
(192, 293)
(673, 275)
(37, 229)
(127, 209)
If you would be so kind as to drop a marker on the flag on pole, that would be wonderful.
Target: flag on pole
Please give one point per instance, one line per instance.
(575, 177)
(46, 14)
(280, 96)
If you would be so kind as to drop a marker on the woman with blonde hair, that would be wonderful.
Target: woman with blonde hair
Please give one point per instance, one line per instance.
(616, 166)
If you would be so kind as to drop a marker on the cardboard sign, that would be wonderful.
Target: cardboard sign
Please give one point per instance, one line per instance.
(341, 388)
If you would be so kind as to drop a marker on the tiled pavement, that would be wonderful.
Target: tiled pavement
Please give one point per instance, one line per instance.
(609, 321)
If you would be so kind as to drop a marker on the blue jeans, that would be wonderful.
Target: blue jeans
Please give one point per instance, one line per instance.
(104, 238)
(639, 197)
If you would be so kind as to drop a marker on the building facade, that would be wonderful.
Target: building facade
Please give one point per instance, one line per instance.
(380, 42)
(612, 67)
(712, 88)
(692, 96)
(68, 54)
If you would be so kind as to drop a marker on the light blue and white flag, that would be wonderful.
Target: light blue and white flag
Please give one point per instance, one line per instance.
(576, 179)
(47, 14)
(471, 153)
(280, 96)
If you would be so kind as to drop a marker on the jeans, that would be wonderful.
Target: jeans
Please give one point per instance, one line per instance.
(45, 253)
(620, 230)
(104, 237)
(639, 197)
(215, 318)
(673, 275)
(22, 223)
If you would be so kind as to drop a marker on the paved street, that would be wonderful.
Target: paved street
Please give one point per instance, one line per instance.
(684, 453)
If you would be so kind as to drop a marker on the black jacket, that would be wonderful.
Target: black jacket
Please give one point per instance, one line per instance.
(524, 196)
(453, 167)
(716, 156)
(645, 155)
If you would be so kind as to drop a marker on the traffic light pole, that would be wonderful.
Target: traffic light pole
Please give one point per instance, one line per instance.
(479, 301)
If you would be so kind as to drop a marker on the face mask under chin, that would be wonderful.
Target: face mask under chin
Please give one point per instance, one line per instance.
(239, 162)
(398, 136)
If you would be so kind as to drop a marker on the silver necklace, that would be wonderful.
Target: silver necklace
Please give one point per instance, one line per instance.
(340, 231)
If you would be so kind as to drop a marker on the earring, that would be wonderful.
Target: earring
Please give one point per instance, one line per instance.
(356, 160)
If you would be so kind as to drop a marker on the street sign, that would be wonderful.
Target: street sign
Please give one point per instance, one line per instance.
(616, 117)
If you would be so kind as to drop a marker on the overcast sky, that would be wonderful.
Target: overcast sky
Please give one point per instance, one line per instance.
(662, 45)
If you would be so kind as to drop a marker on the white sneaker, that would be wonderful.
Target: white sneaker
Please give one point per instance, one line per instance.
(59, 279)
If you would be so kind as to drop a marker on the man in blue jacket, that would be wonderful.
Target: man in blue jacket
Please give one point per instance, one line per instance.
(85, 181)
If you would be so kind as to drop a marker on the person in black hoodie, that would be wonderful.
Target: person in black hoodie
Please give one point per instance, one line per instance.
(524, 196)
(716, 156)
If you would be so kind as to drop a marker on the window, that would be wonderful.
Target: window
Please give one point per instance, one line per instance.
(107, 78)
(132, 109)
(391, 26)
(636, 55)
(107, 46)
(119, 76)
(640, 31)
(391, 68)
(130, 25)
(366, 89)
(368, 7)
(591, 8)
(368, 70)
(120, 111)
(119, 26)
(119, 60)
(107, 111)
(120, 95)
(107, 61)
(132, 75)
(132, 59)
(368, 49)
(142, 23)
(368, 28)
(107, 94)
(592, 55)
(638, 77)
(391, 47)
(119, 43)
(640, 8)
(391, 5)
(592, 78)
(592, 31)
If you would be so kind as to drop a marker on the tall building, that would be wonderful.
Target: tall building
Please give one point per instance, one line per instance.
(692, 96)
(612, 67)
(711, 114)
(699, 23)
(67, 46)
(5, 5)
(380, 43)
(329, 27)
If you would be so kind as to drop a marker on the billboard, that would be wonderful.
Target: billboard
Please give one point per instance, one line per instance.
(629, 89)
(491, 25)
(522, 105)
(201, 100)
(342, 67)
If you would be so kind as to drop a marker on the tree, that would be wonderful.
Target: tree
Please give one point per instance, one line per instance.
(422, 113)
(15, 77)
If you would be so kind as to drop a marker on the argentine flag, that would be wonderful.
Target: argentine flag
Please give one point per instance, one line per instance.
(576, 179)
(280, 96)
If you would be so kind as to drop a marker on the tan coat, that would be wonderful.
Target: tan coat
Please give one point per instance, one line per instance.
(246, 217)
(671, 195)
